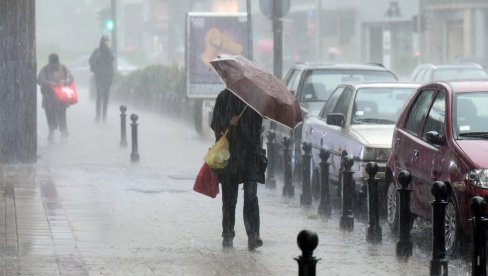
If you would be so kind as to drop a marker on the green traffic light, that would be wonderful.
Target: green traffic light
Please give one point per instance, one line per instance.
(109, 24)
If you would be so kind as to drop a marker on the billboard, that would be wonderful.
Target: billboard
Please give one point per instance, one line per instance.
(210, 35)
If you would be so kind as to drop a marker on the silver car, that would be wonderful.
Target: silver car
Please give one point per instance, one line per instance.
(357, 120)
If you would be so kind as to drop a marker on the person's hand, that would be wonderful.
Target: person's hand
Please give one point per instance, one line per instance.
(234, 121)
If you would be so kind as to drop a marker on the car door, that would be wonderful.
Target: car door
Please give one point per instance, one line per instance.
(428, 160)
(316, 128)
(333, 139)
(408, 137)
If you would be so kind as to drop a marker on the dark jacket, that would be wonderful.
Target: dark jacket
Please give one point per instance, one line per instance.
(246, 155)
(102, 63)
(50, 75)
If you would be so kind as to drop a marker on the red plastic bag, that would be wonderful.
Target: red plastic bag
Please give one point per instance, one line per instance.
(207, 182)
(66, 93)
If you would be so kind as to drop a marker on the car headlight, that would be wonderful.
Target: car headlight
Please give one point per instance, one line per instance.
(478, 177)
(374, 154)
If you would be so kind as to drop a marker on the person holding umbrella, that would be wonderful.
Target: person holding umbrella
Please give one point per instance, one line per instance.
(251, 94)
(244, 132)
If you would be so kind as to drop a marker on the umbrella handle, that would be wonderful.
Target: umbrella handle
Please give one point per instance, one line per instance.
(242, 112)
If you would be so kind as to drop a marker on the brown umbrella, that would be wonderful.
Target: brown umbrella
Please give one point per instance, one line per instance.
(259, 89)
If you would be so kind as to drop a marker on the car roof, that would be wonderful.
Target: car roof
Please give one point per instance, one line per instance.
(318, 65)
(463, 86)
(451, 66)
(392, 84)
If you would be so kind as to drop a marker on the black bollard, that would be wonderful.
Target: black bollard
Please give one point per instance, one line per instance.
(307, 242)
(347, 218)
(123, 131)
(134, 156)
(438, 265)
(374, 229)
(288, 189)
(270, 174)
(324, 206)
(478, 207)
(404, 244)
(306, 196)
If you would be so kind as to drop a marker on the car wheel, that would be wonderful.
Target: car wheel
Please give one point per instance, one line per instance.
(453, 232)
(392, 207)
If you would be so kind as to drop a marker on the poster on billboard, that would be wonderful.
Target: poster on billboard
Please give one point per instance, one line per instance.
(210, 35)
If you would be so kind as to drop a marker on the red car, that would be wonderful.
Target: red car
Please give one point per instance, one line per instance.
(442, 134)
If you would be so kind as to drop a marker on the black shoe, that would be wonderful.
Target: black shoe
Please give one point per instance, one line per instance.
(254, 243)
(227, 243)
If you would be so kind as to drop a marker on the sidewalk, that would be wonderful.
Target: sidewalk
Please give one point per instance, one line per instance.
(85, 209)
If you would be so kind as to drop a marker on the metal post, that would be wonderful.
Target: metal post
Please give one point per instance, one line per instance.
(270, 174)
(438, 265)
(374, 229)
(307, 242)
(134, 156)
(288, 189)
(478, 207)
(404, 244)
(123, 131)
(277, 38)
(306, 196)
(324, 206)
(347, 218)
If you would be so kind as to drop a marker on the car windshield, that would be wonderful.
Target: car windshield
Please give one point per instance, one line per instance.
(470, 115)
(379, 105)
(320, 83)
(459, 73)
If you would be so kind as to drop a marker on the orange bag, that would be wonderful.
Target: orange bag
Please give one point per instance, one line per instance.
(207, 182)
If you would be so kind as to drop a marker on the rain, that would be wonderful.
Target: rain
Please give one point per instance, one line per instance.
(109, 119)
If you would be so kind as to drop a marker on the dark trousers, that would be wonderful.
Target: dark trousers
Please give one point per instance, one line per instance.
(250, 211)
(103, 92)
(56, 117)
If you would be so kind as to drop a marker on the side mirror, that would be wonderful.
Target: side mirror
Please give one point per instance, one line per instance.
(433, 137)
(336, 119)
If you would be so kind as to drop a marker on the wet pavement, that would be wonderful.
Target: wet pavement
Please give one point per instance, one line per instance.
(86, 209)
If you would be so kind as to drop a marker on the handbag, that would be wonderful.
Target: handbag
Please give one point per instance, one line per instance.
(67, 94)
(207, 182)
(218, 156)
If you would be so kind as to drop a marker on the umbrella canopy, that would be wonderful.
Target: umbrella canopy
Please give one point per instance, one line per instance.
(259, 89)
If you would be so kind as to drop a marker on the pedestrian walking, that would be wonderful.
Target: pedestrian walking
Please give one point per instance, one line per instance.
(52, 74)
(102, 66)
(245, 165)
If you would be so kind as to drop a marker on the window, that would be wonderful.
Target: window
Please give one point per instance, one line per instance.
(437, 113)
(332, 101)
(417, 110)
(343, 103)
(292, 83)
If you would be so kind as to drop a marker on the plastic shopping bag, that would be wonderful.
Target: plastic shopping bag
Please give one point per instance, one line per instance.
(218, 156)
(66, 93)
(207, 182)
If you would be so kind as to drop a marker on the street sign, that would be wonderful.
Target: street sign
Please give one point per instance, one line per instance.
(266, 7)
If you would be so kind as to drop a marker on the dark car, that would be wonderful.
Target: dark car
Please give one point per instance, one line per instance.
(313, 83)
(442, 135)
(430, 72)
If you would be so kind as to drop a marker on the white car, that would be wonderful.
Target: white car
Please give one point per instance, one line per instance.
(357, 120)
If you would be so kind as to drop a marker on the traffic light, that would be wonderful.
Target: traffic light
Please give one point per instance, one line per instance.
(105, 19)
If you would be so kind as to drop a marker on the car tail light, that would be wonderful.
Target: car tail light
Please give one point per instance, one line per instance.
(478, 177)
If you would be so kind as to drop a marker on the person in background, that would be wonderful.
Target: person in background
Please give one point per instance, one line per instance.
(52, 74)
(244, 134)
(102, 66)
